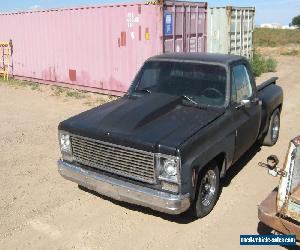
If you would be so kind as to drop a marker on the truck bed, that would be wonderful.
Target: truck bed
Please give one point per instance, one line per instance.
(271, 96)
(267, 83)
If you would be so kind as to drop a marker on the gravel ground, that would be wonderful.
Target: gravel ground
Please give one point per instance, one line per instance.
(41, 210)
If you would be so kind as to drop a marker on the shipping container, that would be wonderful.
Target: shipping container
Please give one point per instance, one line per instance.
(230, 30)
(100, 48)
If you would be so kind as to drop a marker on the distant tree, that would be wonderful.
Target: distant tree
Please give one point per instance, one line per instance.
(296, 21)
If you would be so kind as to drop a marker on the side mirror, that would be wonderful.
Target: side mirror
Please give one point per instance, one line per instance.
(244, 103)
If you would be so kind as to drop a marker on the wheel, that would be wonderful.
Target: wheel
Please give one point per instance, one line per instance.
(207, 190)
(273, 131)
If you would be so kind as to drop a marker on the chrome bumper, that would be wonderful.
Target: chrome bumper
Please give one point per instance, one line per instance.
(125, 191)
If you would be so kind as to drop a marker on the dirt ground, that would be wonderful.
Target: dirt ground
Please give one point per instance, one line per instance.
(41, 210)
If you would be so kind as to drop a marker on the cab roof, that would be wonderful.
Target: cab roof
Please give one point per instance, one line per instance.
(200, 57)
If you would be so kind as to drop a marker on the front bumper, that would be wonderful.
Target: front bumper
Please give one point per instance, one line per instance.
(124, 191)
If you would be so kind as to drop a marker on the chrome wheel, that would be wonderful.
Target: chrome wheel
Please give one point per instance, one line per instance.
(275, 128)
(207, 190)
(271, 137)
(208, 187)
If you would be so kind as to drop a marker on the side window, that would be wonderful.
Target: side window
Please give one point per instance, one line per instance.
(241, 88)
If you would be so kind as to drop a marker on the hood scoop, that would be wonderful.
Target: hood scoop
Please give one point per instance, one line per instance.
(140, 111)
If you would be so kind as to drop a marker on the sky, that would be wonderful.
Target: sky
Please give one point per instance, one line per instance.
(267, 11)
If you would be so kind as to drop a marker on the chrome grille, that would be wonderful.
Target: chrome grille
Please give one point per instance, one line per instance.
(123, 161)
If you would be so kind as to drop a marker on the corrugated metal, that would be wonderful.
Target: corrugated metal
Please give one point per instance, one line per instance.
(98, 47)
(189, 32)
(230, 30)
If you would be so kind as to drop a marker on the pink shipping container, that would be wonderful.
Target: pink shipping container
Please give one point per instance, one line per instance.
(100, 48)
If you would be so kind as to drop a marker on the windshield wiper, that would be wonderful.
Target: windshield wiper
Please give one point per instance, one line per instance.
(145, 90)
(189, 99)
(193, 103)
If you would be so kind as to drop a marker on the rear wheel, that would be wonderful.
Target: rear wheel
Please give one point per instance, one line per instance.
(273, 131)
(207, 190)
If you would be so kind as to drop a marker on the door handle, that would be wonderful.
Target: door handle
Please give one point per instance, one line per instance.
(255, 101)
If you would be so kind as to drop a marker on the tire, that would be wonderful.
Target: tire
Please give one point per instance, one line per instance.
(207, 191)
(273, 132)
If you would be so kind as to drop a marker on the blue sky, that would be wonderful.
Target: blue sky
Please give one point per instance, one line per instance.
(268, 11)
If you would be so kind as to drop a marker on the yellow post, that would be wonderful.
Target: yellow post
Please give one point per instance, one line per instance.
(8, 62)
(6, 54)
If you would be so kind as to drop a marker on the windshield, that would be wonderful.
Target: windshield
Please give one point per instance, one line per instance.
(196, 83)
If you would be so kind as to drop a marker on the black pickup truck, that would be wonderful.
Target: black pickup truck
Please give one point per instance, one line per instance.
(165, 144)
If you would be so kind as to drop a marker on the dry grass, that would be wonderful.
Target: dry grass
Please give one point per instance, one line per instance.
(88, 98)
(291, 50)
(21, 84)
(275, 37)
(276, 42)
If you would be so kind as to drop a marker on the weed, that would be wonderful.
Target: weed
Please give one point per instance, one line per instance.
(260, 64)
(33, 85)
(57, 91)
(271, 65)
(75, 93)
(19, 83)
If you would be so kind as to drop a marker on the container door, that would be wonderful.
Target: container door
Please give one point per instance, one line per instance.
(248, 27)
(218, 30)
(195, 26)
(241, 30)
(184, 27)
(236, 31)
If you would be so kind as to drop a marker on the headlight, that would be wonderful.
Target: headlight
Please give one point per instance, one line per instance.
(168, 168)
(64, 142)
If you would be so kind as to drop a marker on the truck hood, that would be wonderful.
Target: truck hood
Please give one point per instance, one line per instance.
(149, 122)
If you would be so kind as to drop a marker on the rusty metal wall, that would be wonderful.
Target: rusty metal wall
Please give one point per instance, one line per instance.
(98, 47)
(188, 32)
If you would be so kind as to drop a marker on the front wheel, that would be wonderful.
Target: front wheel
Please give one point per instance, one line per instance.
(207, 190)
(273, 131)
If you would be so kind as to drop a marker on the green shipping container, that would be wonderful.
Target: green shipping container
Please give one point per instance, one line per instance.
(230, 30)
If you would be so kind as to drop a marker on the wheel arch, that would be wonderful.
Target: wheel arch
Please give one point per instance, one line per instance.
(220, 160)
(265, 126)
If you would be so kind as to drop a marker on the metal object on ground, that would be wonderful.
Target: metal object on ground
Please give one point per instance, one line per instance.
(290, 183)
(281, 209)
(267, 213)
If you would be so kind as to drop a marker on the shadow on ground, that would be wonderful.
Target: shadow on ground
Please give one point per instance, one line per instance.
(186, 217)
